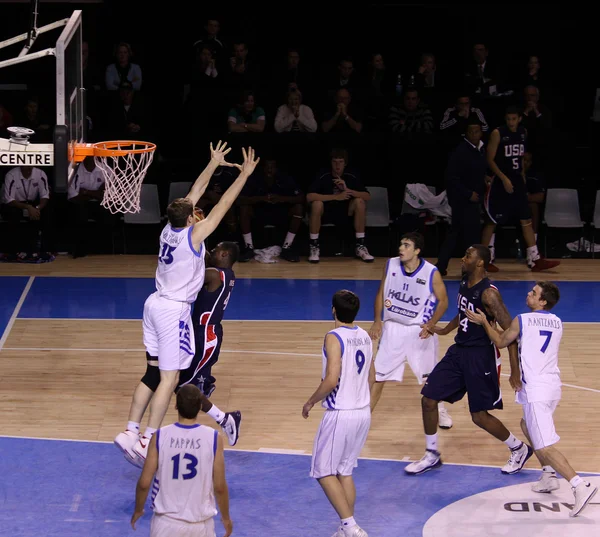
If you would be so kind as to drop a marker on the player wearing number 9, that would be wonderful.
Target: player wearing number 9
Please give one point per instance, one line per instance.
(185, 467)
(348, 375)
(539, 391)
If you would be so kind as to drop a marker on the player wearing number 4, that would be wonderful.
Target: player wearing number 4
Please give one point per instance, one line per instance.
(411, 299)
(185, 467)
(348, 375)
(167, 329)
(539, 387)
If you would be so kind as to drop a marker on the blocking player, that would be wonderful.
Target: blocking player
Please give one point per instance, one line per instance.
(207, 315)
(469, 366)
(410, 301)
(185, 467)
(167, 331)
(506, 199)
(539, 388)
(347, 377)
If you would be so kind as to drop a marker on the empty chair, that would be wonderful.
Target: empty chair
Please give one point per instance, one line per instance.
(562, 210)
(179, 190)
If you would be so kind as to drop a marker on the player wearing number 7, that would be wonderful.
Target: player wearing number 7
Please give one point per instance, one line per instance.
(348, 376)
(539, 387)
(167, 329)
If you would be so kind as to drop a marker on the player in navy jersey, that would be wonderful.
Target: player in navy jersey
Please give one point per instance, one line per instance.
(506, 200)
(209, 310)
(470, 366)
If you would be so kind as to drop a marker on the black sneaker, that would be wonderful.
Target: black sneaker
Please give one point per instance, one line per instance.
(246, 254)
(289, 254)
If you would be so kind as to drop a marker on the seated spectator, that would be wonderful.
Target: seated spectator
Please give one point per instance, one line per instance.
(537, 119)
(295, 116)
(246, 117)
(204, 73)
(26, 195)
(36, 117)
(456, 118)
(123, 69)
(379, 87)
(220, 181)
(85, 193)
(533, 74)
(274, 198)
(128, 118)
(212, 41)
(335, 195)
(243, 73)
(482, 76)
(412, 116)
(346, 117)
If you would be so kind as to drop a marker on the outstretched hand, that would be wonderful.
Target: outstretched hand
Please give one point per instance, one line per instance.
(249, 163)
(218, 154)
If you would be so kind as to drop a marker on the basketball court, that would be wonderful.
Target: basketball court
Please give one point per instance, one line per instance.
(71, 353)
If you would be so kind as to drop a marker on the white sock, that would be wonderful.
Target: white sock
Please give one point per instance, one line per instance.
(441, 405)
(348, 522)
(576, 481)
(431, 442)
(216, 414)
(248, 240)
(532, 253)
(512, 441)
(492, 240)
(548, 469)
(133, 427)
(360, 235)
(314, 236)
(149, 432)
(289, 238)
(535, 235)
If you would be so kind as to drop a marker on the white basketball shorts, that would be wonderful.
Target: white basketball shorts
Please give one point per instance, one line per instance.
(168, 332)
(339, 441)
(539, 418)
(165, 526)
(400, 344)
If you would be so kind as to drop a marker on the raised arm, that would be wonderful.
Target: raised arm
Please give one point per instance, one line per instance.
(441, 295)
(217, 158)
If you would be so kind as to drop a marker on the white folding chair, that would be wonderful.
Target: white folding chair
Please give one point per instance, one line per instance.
(562, 210)
(179, 189)
(149, 211)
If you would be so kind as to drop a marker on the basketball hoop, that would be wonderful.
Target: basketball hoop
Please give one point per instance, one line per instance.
(124, 164)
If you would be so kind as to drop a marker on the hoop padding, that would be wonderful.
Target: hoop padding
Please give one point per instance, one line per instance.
(124, 164)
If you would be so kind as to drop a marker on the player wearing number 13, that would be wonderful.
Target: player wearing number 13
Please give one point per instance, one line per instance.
(348, 376)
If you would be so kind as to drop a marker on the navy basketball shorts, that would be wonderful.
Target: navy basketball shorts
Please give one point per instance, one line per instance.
(208, 345)
(470, 370)
(504, 208)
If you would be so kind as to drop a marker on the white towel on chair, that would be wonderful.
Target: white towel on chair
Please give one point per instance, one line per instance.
(268, 255)
(419, 196)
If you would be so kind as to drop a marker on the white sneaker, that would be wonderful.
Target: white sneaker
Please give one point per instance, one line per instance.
(583, 492)
(492, 254)
(430, 460)
(313, 256)
(339, 532)
(232, 426)
(141, 449)
(518, 458)
(444, 419)
(354, 531)
(125, 442)
(546, 483)
(362, 253)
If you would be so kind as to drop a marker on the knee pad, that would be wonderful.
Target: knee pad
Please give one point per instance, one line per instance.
(152, 376)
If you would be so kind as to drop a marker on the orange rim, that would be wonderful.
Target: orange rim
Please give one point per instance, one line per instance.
(112, 148)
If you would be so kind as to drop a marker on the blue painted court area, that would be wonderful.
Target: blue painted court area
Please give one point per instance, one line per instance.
(63, 489)
(260, 299)
(11, 288)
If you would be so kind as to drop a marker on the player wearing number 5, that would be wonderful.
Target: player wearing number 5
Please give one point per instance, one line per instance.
(185, 467)
(470, 366)
(539, 388)
(167, 329)
(348, 375)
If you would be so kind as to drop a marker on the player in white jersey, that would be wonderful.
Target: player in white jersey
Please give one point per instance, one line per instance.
(167, 330)
(539, 388)
(411, 298)
(185, 467)
(348, 375)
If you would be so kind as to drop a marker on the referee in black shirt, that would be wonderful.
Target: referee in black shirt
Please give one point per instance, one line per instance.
(465, 187)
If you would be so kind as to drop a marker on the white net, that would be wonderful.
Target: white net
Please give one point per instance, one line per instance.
(124, 174)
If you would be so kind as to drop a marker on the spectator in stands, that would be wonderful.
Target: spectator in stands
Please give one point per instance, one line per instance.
(412, 116)
(271, 197)
(26, 195)
(537, 119)
(36, 118)
(220, 181)
(465, 186)
(295, 116)
(456, 118)
(243, 73)
(536, 190)
(211, 40)
(246, 117)
(204, 73)
(426, 74)
(293, 76)
(532, 75)
(379, 87)
(128, 118)
(92, 79)
(85, 194)
(335, 195)
(123, 69)
(346, 118)
(481, 75)
(345, 76)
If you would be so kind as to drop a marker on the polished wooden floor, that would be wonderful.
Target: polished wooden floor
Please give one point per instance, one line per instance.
(74, 378)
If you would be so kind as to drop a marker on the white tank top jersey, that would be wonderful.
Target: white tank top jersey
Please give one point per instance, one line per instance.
(408, 299)
(539, 340)
(352, 390)
(180, 270)
(183, 485)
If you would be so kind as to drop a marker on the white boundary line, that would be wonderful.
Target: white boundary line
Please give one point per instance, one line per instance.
(16, 311)
(275, 451)
(140, 350)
